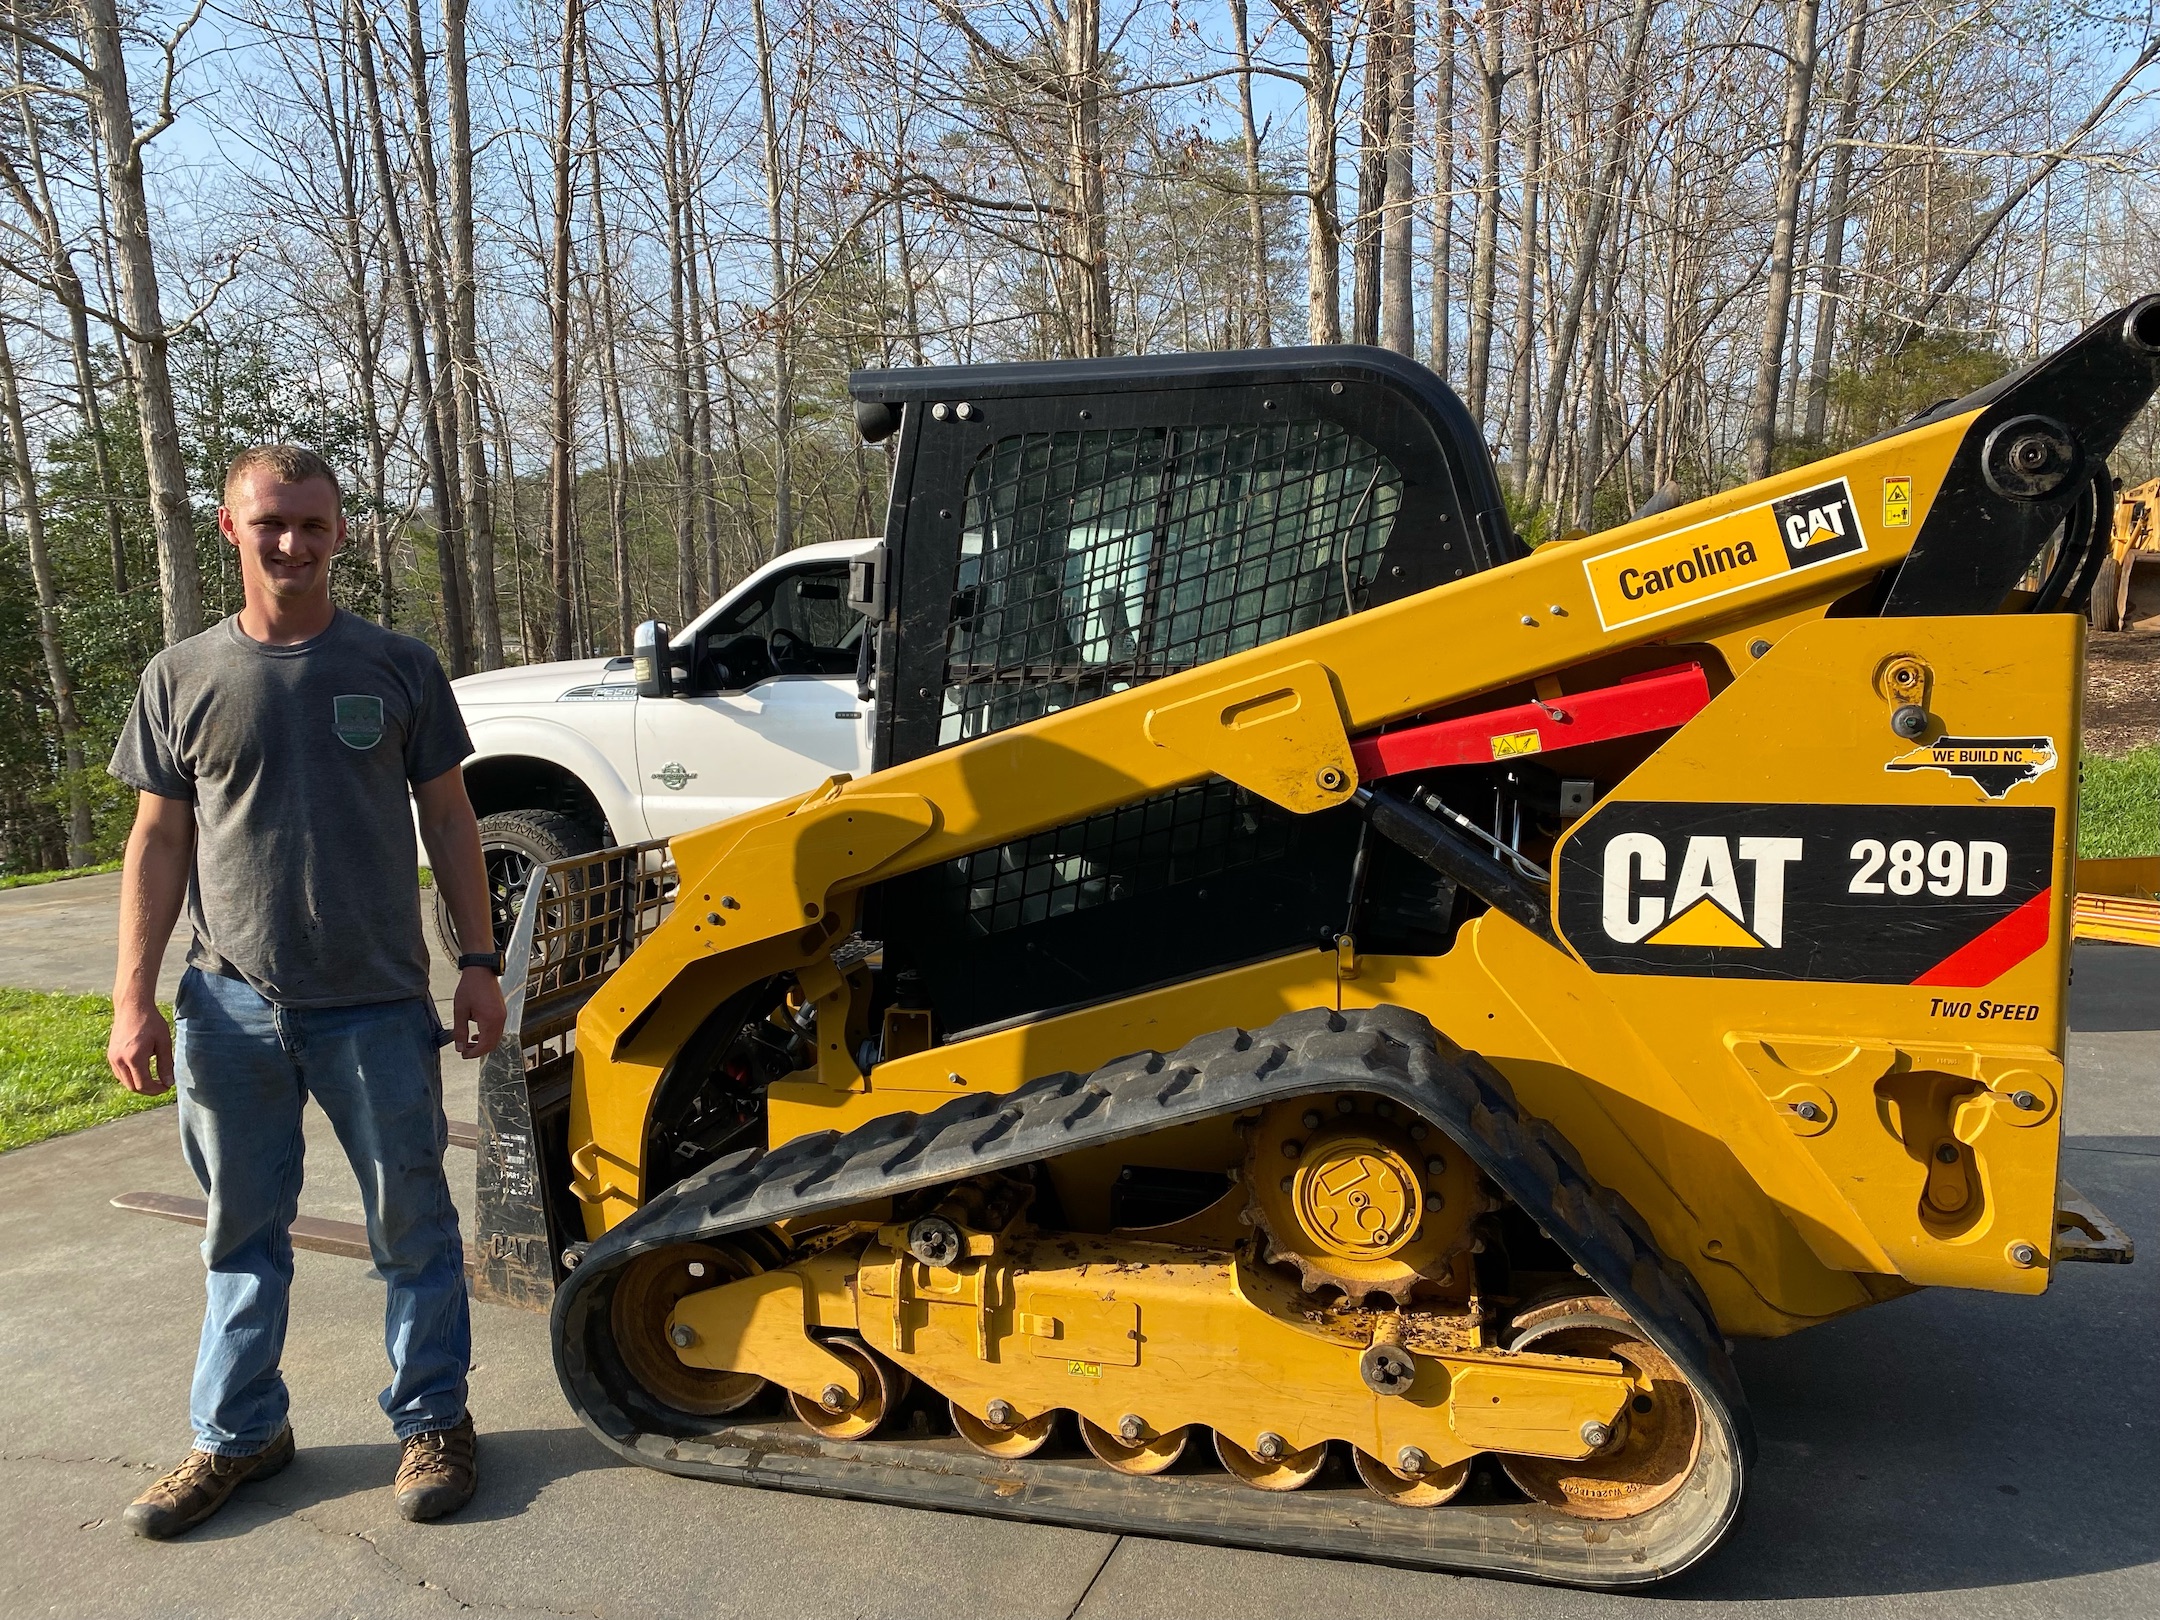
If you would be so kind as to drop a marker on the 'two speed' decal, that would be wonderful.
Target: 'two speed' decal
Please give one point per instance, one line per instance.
(1857, 894)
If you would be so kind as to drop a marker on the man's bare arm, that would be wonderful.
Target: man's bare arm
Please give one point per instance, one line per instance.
(153, 886)
(452, 837)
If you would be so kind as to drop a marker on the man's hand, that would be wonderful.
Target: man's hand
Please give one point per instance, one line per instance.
(477, 1014)
(141, 1035)
(153, 884)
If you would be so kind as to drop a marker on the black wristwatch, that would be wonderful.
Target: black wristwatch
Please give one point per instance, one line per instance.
(491, 960)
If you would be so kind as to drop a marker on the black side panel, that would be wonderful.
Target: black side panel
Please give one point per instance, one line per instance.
(1164, 888)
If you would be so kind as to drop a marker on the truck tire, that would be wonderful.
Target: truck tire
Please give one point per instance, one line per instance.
(513, 842)
(2102, 609)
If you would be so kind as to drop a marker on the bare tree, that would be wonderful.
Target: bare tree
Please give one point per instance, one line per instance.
(48, 600)
(1263, 297)
(104, 70)
(451, 577)
(475, 496)
(1589, 245)
(1830, 281)
(1791, 174)
(1314, 21)
(1442, 276)
(562, 476)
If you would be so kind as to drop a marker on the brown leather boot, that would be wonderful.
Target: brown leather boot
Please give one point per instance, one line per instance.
(438, 1471)
(199, 1486)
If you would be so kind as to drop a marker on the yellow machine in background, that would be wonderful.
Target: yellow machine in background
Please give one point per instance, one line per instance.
(1312, 983)
(2126, 591)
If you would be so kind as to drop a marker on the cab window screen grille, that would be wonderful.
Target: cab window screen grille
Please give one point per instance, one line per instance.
(1176, 837)
(1096, 559)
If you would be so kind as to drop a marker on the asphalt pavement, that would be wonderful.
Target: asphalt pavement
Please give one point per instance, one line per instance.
(1956, 1455)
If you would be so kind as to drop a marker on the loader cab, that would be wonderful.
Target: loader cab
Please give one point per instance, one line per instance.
(1061, 531)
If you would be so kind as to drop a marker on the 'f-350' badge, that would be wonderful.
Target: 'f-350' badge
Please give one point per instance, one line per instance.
(1994, 764)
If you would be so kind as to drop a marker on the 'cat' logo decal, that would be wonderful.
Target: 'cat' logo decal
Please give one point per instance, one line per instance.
(1866, 894)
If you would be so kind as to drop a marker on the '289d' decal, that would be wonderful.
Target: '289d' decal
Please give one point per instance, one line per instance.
(1859, 894)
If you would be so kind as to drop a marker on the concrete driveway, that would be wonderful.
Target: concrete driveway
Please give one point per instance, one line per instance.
(1955, 1455)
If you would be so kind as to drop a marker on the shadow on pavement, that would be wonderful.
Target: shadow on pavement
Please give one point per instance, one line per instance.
(1953, 1441)
(2115, 989)
(516, 1465)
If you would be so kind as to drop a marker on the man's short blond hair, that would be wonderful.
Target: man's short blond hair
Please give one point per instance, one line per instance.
(287, 463)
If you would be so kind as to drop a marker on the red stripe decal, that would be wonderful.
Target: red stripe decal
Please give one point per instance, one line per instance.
(1988, 956)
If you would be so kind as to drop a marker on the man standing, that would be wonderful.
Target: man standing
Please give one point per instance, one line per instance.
(273, 755)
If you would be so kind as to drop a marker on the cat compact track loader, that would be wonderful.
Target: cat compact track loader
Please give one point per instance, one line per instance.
(1323, 1025)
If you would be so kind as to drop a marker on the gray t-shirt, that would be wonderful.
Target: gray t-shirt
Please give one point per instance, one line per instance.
(299, 762)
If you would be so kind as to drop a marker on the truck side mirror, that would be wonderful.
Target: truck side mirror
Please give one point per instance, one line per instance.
(866, 584)
(649, 660)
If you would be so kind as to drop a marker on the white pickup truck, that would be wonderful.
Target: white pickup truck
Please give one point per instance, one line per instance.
(760, 700)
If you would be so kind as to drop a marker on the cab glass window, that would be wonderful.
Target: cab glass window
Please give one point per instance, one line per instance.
(1093, 560)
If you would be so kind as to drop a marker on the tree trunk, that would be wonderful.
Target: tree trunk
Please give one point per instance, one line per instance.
(456, 638)
(1492, 78)
(1087, 254)
(704, 464)
(1605, 181)
(1398, 305)
(561, 486)
(366, 339)
(687, 600)
(179, 573)
(476, 497)
(615, 421)
(35, 200)
(1374, 118)
(48, 597)
(435, 290)
(1263, 299)
(1785, 212)
(1443, 213)
(1520, 374)
(783, 295)
(1315, 22)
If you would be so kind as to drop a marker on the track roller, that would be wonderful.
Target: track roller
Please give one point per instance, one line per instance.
(1421, 1486)
(1652, 1448)
(884, 1386)
(1146, 1454)
(1021, 1437)
(1287, 1470)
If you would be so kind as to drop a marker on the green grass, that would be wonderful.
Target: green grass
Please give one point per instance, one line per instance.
(23, 880)
(53, 1077)
(2119, 807)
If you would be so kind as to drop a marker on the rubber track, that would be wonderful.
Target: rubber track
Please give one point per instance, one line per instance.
(1384, 1051)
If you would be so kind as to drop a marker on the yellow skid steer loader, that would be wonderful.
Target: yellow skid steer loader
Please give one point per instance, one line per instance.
(1322, 1025)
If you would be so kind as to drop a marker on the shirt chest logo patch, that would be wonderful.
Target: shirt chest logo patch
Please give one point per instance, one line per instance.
(357, 720)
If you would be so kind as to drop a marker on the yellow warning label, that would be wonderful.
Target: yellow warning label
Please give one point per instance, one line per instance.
(1513, 744)
(1084, 1369)
(1697, 564)
(1897, 503)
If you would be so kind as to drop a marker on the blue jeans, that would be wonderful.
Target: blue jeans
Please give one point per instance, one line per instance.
(246, 1069)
